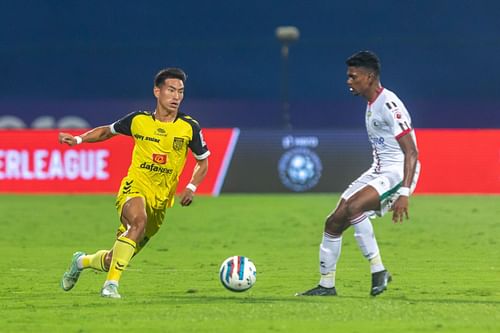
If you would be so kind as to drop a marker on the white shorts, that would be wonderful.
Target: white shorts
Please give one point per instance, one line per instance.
(386, 182)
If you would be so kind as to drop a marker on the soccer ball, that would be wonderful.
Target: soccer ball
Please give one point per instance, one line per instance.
(237, 273)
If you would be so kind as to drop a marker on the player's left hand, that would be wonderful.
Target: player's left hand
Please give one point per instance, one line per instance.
(400, 209)
(187, 197)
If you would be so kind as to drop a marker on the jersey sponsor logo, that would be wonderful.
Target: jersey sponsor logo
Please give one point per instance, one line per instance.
(377, 140)
(160, 158)
(178, 143)
(146, 138)
(155, 168)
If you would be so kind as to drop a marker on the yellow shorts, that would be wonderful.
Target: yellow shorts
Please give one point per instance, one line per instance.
(155, 210)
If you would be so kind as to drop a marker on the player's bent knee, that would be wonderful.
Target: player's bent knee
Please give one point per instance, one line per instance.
(336, 218)
(334, 225)
(353, 210)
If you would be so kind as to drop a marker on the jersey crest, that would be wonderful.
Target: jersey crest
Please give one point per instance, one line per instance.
(178, 143)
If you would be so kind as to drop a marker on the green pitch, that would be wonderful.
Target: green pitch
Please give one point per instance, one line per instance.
(445, 264)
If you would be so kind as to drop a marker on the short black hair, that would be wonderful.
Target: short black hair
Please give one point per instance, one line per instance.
(366, 59)
(169, 73)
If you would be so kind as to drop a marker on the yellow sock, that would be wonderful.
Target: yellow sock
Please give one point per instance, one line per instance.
(95, 261)
(122, 253)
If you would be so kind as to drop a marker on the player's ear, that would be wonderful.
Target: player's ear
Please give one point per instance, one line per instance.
(371, 76)
(156, 92)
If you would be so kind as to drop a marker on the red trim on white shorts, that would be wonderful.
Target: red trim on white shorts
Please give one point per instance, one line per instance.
(358, 219)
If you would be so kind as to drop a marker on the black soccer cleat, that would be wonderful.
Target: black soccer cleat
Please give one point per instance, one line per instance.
(379, 282)
(319, 291)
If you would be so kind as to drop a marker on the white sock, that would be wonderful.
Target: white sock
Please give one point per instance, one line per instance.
(363, 232)
(329, 253)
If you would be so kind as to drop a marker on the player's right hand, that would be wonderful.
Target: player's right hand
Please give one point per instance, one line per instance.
(400, 209)
(67, 139)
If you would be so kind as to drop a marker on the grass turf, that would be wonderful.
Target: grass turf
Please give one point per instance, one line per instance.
(444, 261)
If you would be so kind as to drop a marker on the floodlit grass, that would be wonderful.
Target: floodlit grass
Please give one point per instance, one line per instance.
(445, 263)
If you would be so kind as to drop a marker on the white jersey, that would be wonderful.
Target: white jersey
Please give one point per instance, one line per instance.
(387, 120)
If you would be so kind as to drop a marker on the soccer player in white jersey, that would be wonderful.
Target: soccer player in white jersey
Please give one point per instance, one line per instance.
(385, 186)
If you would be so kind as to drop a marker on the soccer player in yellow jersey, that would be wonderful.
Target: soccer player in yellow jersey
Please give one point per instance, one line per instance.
(162, 139)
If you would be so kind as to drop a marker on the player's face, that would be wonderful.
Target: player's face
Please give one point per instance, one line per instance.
(170, 94)
(358, 80)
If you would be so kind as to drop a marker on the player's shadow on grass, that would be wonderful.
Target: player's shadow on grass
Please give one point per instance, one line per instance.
(236, 298)
(249, 299)
(436, 300)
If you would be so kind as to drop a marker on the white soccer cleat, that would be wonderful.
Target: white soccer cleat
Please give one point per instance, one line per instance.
(70, 277)
(110, 290)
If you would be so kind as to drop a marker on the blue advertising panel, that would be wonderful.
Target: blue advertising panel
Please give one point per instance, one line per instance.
(297, 161)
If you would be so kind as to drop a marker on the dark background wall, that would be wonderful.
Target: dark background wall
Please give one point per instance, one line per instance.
(96, 59)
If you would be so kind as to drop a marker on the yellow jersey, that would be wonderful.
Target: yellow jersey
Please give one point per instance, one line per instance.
(160, 152)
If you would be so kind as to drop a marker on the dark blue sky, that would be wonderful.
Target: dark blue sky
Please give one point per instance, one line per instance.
(432, 51)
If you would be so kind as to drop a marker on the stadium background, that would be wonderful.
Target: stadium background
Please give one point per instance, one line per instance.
(83, 64)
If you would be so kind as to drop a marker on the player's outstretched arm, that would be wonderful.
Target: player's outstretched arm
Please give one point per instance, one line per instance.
(199, 173)
(97, 134)
(400, 207)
